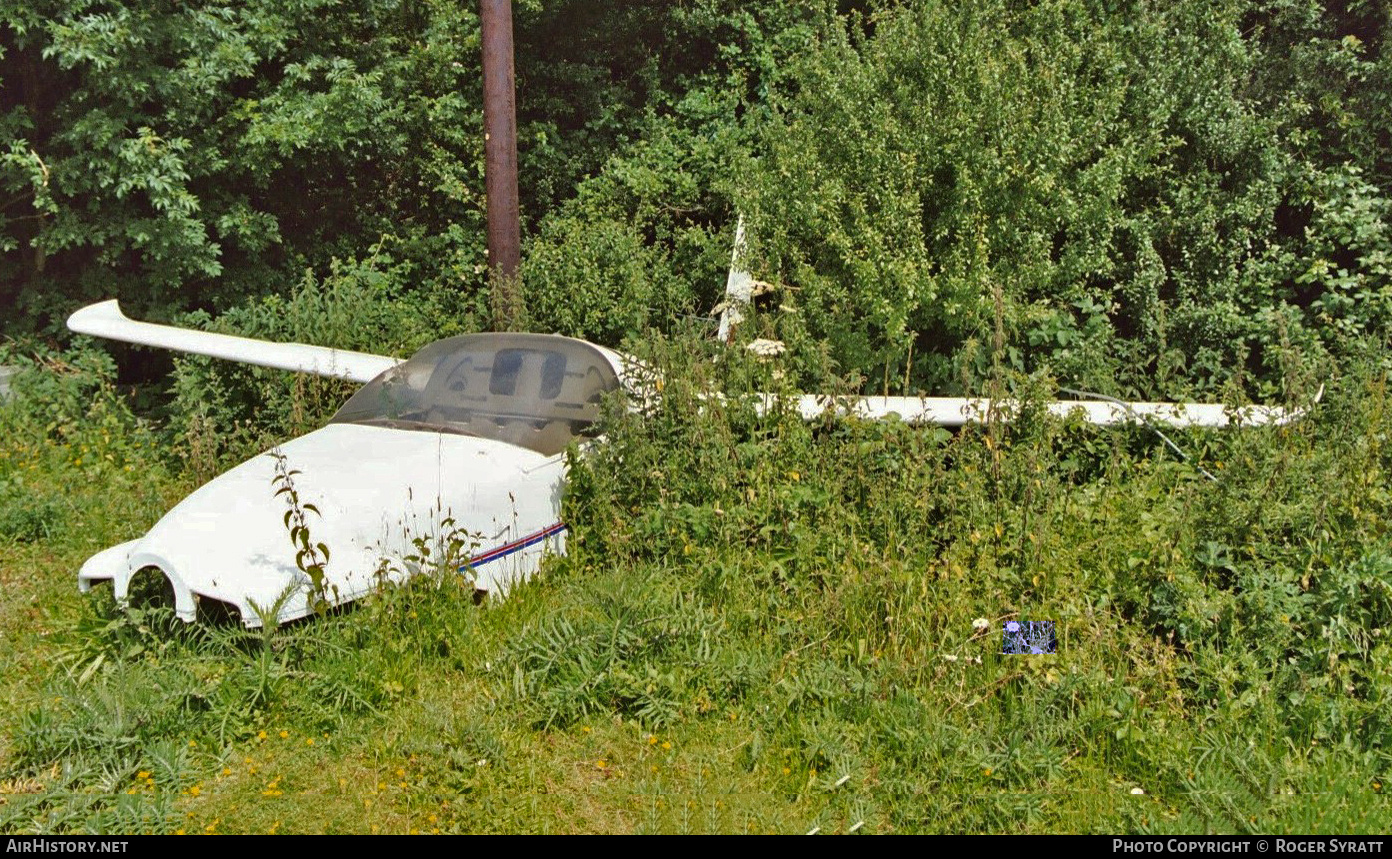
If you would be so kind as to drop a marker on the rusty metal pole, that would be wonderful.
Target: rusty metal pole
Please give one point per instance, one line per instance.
(500, 161)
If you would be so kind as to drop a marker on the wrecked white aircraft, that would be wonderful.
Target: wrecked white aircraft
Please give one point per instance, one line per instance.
(467, 437)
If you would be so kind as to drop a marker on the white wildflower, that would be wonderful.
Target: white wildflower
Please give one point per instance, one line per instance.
(767, 348)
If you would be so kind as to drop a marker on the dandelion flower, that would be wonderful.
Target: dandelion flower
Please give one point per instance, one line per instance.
(666, 745)
(284, 734)
(981, 624)
(1012, 627)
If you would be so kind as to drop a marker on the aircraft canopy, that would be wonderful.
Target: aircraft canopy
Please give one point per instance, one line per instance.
(537, 391)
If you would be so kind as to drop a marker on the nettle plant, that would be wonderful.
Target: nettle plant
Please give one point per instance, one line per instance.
(310, 557)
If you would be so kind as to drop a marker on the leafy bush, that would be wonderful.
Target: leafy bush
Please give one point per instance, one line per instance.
(199, 151)
(55, 393)
(1109, 173)
(27, 515)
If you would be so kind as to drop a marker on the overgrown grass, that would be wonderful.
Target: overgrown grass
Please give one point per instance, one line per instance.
(763, 625)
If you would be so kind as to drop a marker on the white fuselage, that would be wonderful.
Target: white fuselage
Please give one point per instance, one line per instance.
(388, 499)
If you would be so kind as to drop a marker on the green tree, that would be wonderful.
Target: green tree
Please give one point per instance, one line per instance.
(179, 154)
(1122, 175)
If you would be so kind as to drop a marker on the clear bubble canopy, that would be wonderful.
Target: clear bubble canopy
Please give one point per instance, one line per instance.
(537, 391)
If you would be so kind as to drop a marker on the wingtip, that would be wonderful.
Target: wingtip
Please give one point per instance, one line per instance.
(79, 321)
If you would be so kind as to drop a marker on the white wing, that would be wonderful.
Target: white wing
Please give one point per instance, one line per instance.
(107, 320)
(957, 411)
